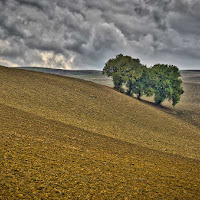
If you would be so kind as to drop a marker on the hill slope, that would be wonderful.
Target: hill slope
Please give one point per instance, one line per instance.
(188, 109)
(97, 109)
(64, 137)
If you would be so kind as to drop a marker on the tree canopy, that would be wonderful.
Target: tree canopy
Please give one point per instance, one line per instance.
(132, 77)
(166, 83)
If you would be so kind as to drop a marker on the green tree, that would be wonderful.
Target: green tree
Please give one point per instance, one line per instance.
(125, 70)
(162, 81)
(166, 83)
(140, 84)
(116, 68)
(132, 77)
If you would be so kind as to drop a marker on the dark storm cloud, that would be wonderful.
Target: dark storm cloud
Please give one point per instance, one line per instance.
(31, 3)
(85, 33)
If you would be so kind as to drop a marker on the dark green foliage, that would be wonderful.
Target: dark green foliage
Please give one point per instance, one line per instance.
(126, 71)
(132, 77)
(116, 68)
(117, 80)
(166, 83)
(141, 85)
(161, 80)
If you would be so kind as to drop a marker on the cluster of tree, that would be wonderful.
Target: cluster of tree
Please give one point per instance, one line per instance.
(130, 76)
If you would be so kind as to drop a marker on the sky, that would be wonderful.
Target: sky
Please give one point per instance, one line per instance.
(85, 34)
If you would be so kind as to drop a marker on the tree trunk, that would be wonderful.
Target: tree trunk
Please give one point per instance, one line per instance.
(138, 96)
(128, 93)
(158, 103)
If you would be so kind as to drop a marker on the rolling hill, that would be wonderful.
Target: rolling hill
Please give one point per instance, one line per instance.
(63, 137)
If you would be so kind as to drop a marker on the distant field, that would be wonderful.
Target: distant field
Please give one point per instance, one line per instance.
(95, 76)
(191, 75)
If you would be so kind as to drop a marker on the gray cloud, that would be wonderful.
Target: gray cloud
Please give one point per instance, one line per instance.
(83, 34)
(31, 3)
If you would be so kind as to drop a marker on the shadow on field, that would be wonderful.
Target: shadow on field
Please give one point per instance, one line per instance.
(160, 107)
